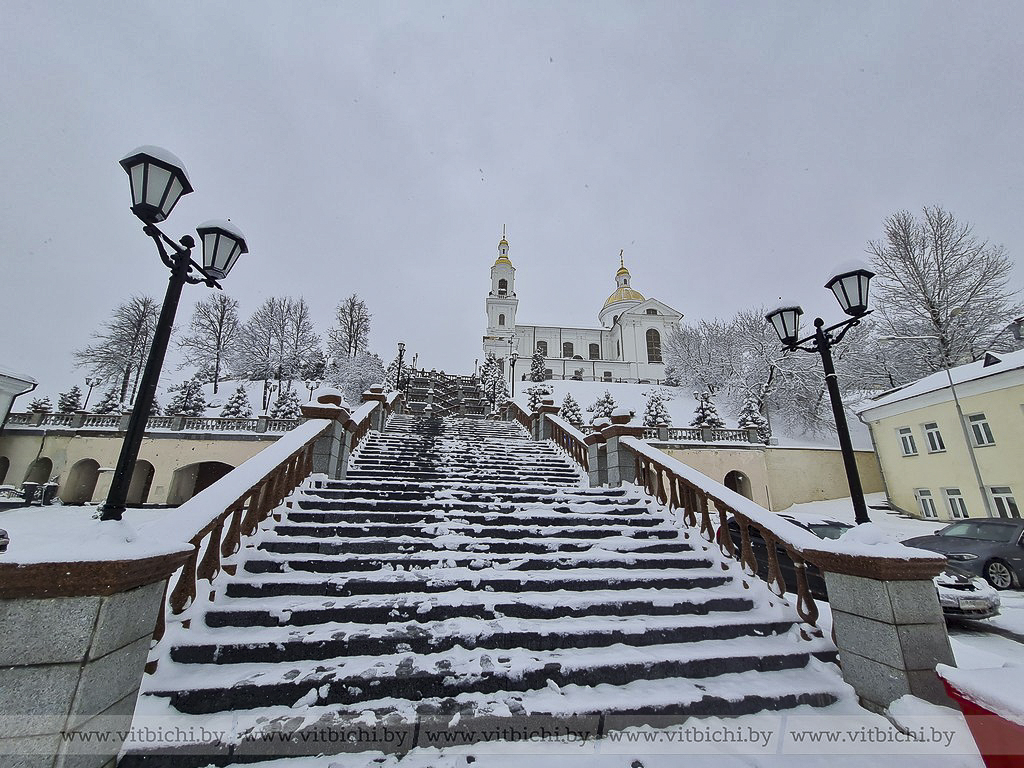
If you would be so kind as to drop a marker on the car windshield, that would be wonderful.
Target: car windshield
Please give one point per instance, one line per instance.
(828, 530)
(989, 531)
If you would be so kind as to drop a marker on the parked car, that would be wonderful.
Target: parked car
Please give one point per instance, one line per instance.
(992, 548)
(961, 594)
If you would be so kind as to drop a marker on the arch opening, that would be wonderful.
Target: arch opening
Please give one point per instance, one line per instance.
(189, 480)
(738, 482)
(81, 482)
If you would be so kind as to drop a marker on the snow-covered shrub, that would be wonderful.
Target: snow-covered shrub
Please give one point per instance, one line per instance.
(706, 414)
(538, 368)
(286, 406)
(188, 399)
(602, 407)
(655, 413)
(70, 401)
(570, 411)
(537, 393)
(40, 405)
(751, 416)
(237, 406)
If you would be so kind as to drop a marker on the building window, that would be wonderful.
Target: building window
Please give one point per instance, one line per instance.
(981, 430)
(957, 505)
(653, 346)
(607, 375)
(595, 351)
(907, 439)
(618, 350)
(548, 373)
(934, 437)
(1005, 504)
(542, 347)
(502, 287)
(567, 349)
(652, 311)
(501, 319)
(926, 502)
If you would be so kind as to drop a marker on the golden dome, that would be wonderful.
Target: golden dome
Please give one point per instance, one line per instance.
(625, 293)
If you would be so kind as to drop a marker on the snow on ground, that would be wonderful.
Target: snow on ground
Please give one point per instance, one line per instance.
(681, 408)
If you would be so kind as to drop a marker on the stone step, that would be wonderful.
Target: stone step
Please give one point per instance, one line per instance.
(307, 512)
(474, 530)
(381, 546)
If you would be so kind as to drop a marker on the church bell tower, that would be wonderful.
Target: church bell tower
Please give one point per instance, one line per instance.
(501, 300)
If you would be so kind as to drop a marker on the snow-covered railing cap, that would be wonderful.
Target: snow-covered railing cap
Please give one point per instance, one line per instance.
(622, 415)
(330, 396)
(845, 267)
(600, 423)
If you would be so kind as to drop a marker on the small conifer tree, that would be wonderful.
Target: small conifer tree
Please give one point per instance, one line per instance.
(751, 416)
(70, 401)
(570, 410)
(537, 393)
(706, 414)
(109, 403)
(238, 406)
(40, 405)
(603, 407)
(493, 382)
(538, 367)
(656, 414)
(188, 399)
(286, 406)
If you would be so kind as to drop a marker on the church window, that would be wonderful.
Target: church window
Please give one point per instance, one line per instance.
(548, 374)
(502, 287)
(567, 349)
(595, 351)
(542, 347)
(607, 375)
(653, 346)
(652, 311)
(501, 319)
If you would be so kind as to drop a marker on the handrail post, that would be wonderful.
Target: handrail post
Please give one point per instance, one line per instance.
(543, 424)
(621, 461)
(330, 452)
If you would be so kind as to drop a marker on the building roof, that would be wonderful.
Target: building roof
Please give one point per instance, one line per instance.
(625, 293)
(961, 374)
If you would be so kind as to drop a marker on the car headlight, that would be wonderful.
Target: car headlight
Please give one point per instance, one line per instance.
(961, 556)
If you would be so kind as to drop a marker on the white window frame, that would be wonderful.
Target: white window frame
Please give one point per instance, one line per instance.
(933, 436)
(1002, 496)
(909, 445)
(926, 503)
(956, 503)
(981, 430)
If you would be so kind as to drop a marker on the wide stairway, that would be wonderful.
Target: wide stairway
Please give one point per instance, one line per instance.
(464, 579)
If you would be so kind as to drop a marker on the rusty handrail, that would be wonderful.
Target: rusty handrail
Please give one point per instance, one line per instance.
(569, 439)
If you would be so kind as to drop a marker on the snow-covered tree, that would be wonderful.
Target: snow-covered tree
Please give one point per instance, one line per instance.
(351, 333)
(315, 367)
(536, 395)
(40, 405)
(355, 375)
(286, 406)
(211, 336)
(750, 416)
(706, 414)
(393, 376)
(603, 407)
(570, 410)
(109, 403)
(188, 399)
(655, 412)
(936, 277)
(538, 368)
(70, 401)
(237, 406)
(277, 342)
(492, 381)
(122, 345)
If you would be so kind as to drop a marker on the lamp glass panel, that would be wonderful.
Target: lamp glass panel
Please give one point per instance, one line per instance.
(172, 195)
(137, 175)
(156, 184)
(236, 251)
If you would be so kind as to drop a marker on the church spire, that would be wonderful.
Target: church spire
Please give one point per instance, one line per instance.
(503, 249)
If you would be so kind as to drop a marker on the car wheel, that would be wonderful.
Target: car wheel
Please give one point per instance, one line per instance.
(998, 574)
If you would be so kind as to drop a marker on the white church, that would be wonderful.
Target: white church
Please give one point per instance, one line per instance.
(627, 346)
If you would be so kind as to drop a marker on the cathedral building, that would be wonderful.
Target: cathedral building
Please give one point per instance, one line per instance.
(627, 346)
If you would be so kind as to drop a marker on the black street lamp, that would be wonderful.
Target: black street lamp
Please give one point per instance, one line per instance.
(158, 181)
(312, 385)
(398, 373)
(851, 290)
(513, 357)
(90, 382)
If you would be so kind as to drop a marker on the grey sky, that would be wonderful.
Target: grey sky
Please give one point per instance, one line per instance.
(736, 151)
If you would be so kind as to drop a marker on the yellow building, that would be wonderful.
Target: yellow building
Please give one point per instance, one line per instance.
(951, 445)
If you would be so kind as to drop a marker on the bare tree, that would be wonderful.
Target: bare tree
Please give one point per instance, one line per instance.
(278, 341)
(351, 335)
(212, 332)
(122, 345)
(301, 342)
(935, 277)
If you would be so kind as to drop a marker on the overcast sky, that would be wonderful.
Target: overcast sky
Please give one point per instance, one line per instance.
(736, 151)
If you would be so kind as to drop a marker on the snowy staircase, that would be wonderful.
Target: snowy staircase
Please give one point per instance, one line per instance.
(463, 576)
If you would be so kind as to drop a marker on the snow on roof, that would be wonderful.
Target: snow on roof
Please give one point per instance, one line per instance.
(16, 376)
(160, 154)
(938, 381)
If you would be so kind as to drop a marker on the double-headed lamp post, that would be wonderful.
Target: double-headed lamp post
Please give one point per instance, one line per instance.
(158, 181)
(850, 287)
(398, 373)
(512, 358)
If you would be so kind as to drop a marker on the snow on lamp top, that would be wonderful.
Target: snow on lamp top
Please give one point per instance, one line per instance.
(223, 243)
(786, 320)
(158, 181)
(850, 285)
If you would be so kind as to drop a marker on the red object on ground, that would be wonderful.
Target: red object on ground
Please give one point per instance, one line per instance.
(1000, 741)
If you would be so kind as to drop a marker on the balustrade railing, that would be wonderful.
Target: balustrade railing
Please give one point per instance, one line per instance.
(113, 421)
(569, 439)
(697, 435)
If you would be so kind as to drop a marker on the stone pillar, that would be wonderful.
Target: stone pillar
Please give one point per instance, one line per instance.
(752, 435)
(663, 432)
(76, 639)
(330, 452)
(379, 416)
(621, 462)
(543, 425)
(890, 633)
(597, 459)
(262, 423)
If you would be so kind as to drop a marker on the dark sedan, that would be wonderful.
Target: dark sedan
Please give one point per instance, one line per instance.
(991, 548)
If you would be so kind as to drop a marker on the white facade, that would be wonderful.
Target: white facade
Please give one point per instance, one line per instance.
(626, 347)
